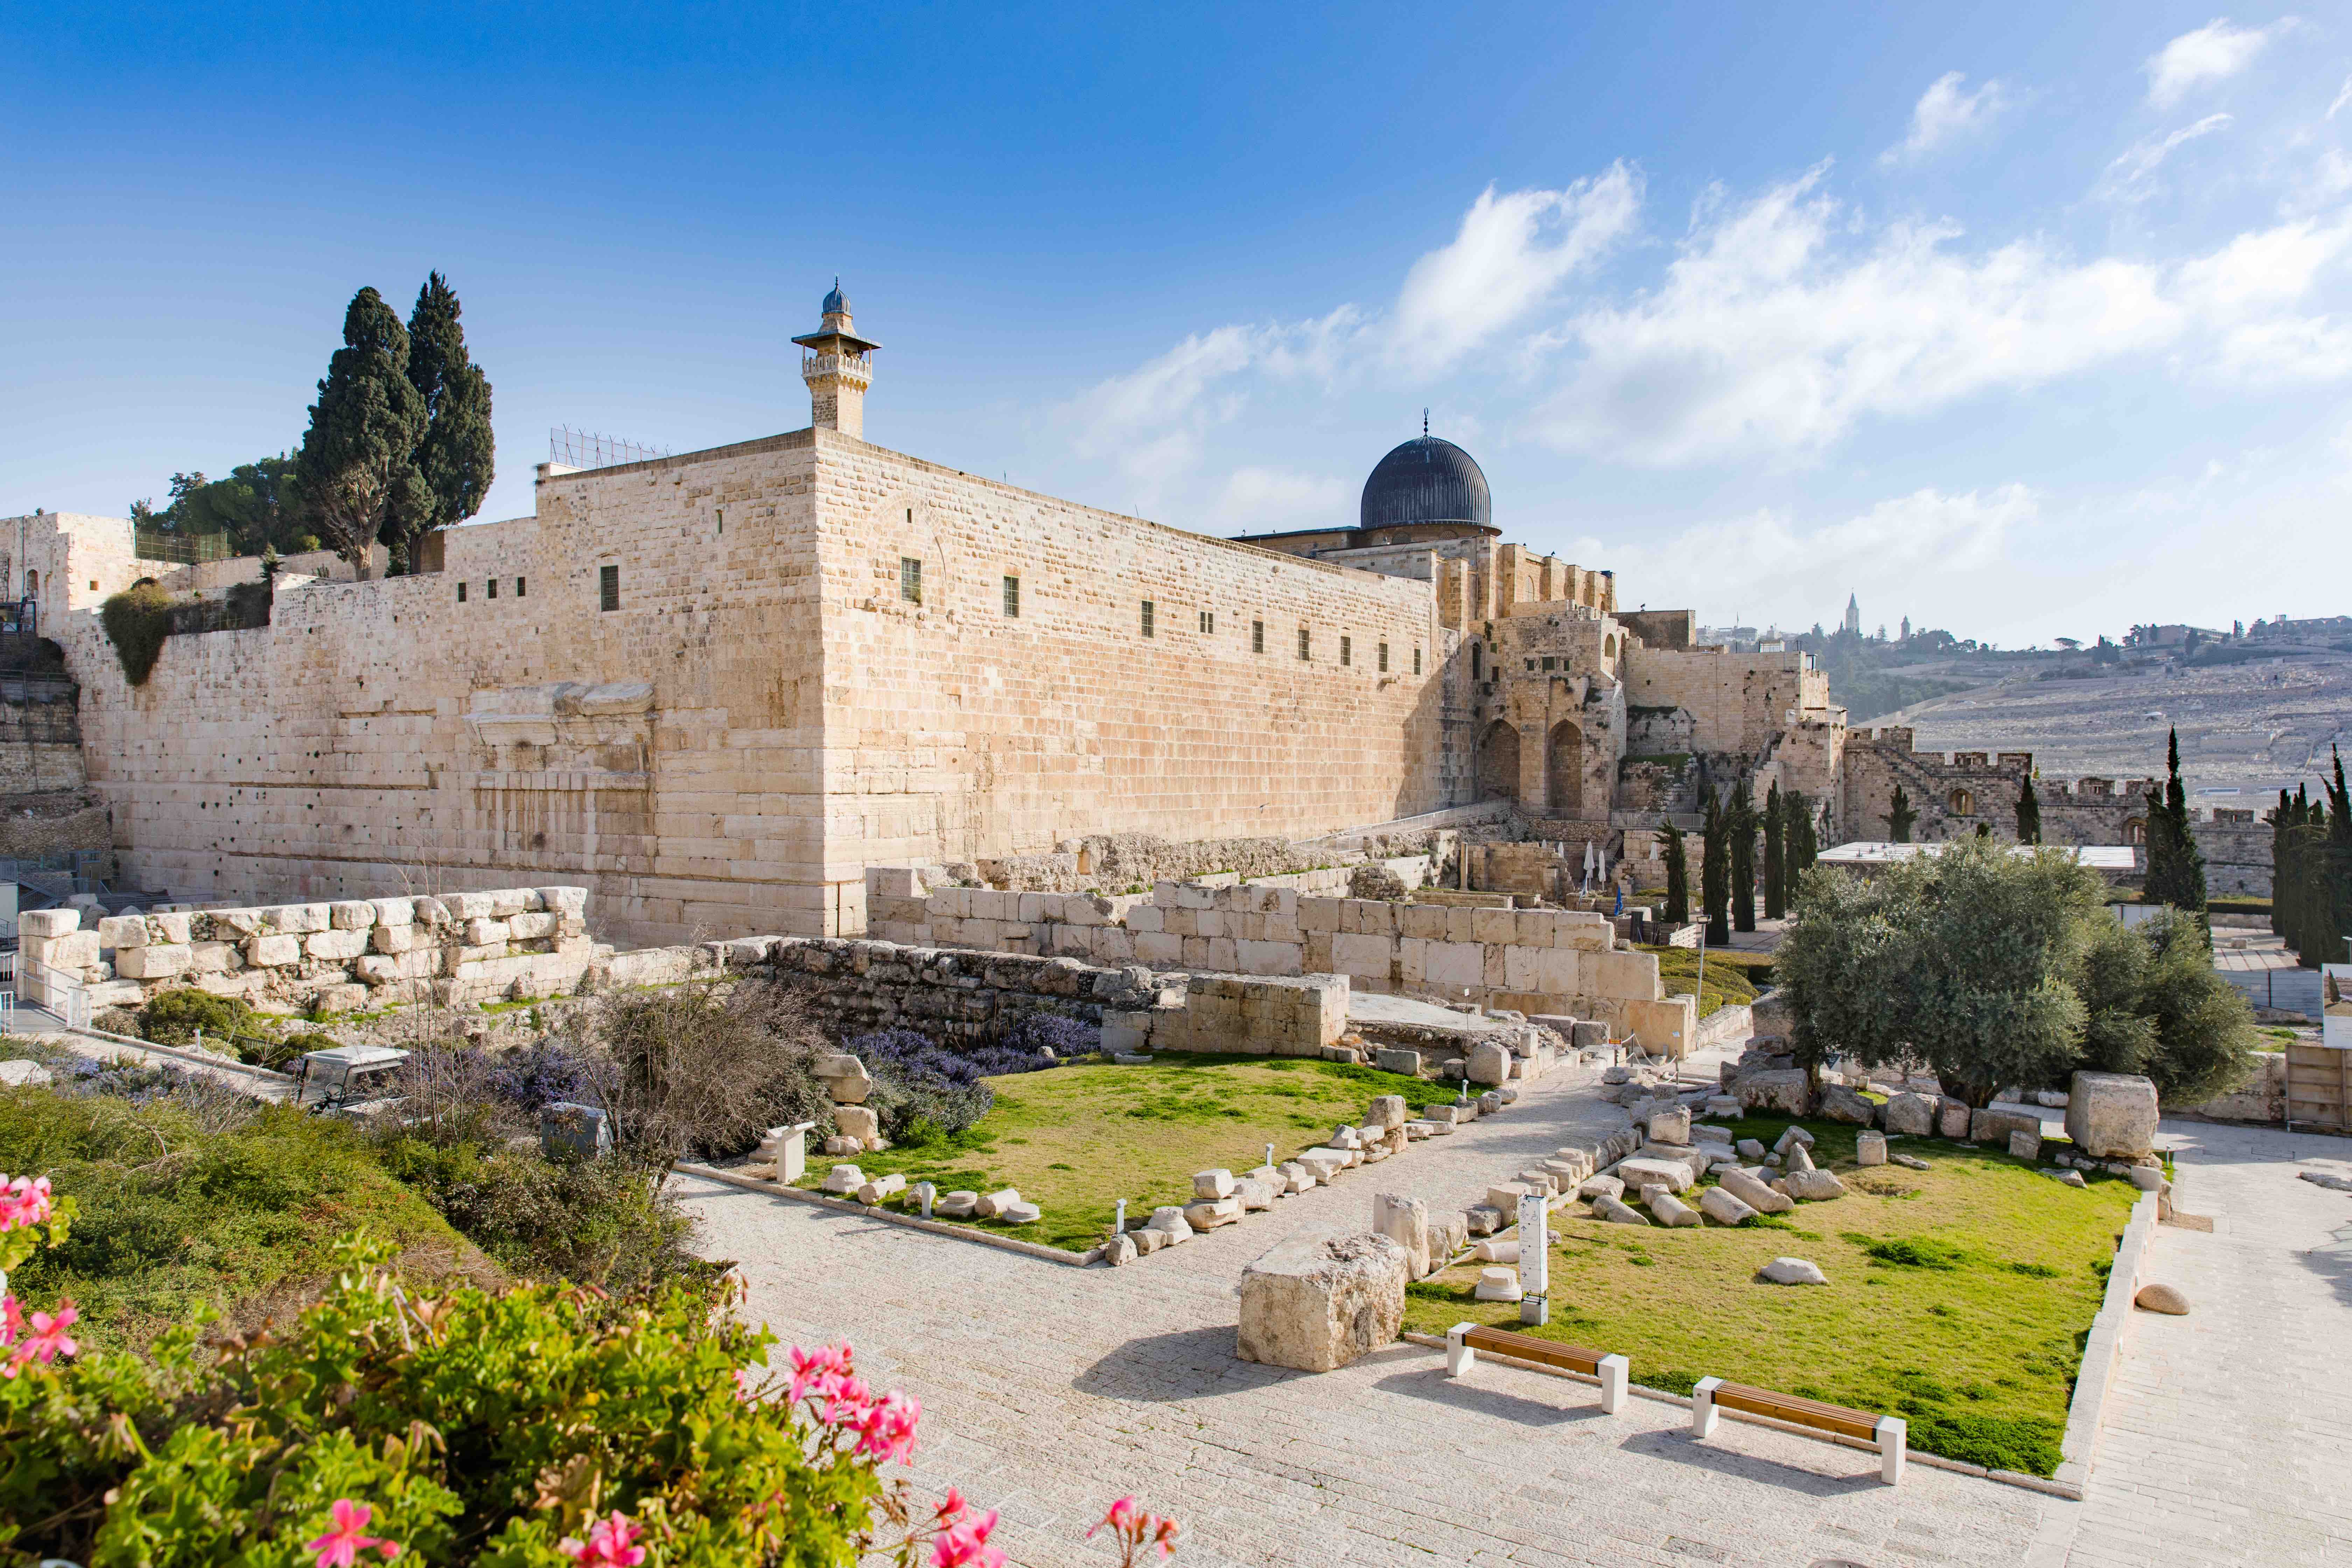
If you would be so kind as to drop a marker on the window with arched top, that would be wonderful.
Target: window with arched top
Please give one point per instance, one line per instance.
(2136, 831)
(1608, 645)
(32, 583)
(1962, 804)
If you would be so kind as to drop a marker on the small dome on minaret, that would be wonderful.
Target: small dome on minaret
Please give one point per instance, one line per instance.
(838, 367)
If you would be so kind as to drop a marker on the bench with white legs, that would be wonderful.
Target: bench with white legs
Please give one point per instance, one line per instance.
(1465, 1340)
(1890, 1434)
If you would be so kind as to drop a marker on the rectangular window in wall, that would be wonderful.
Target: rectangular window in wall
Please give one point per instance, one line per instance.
(911, 579)
(608, 588)
(1550, 663)
(461, 593)
(493, 587)
(1346, 650)
(1258, 636)
(1013, 598)
(1146, 617)
(520, 587)
(722, 519)
(1208, 622)
(1385, 658)
(1305, 648)
(1417, 661)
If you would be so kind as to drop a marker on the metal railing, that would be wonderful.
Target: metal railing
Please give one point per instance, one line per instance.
(54, 989)
(180, 549)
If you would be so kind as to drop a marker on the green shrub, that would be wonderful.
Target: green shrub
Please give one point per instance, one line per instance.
(174, 1017)
(137, 621)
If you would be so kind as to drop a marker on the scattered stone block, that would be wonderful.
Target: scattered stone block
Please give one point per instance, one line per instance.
(1912, 1161)
(2147, 1178)
(1488, 1063)
(1910, 1115)
(1754, 1192)
(1405, 1221)
(1870, 1149)
(1321, 1298)
(1449, 1232)
(1721, 1206)
(1783, 1092)
(881, 1187)
(2024, 1144)
(1211, 1185)
(1580, 1158)
(1400, 1061)
(1388, 1110)
(1022, 1211)
(2161, 1299)
(2050, 1098)
(2112, 1115)
(1595, 1188)
(1148, 1240)
(1671, 1174)
(1297, 1178)
(1498, 1285)
(1813, 1187)
(1750, 1149)
(1669, 1209)
(1671, 1126)
(1169, 1220)
(1792, 1135)
(1444, 1110)
(2067, 1178)
(1490, 1102)
(991, 1204)
(1494, 1251)
(844, 1179)
(857, 1122)
(1994, 1123)
(1119, 1251)
(1253, 1195)
(1419, 1130)
(1952, 1120)
(1799, 1158)
(1794, 1271)
(1482, 1219)
(1722, 1105)
(1505, 1196)
(1618, 1213)
(1842, 1104)
(1210, 1215)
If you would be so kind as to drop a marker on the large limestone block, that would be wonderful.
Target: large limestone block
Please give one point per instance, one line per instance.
(394, 938)
(1912, 1115)
(1321, 1298)
(1668, 1208)
(992, 1205)
(1671, 1126)
(1489, 1063)
(339, 944)
(1952, 1119)
(47, 924)
(1751, 1191)
(158, 963)
(1671, 1174)
(1208, 1186)
(2112, 1115)
(118, 932)
(1840, 1103)
(1994, 1123)
(1388, 1110)
(1617, 1212)
(1690, 1156)
(1813, 1187)
(1405, 1221)
(352, 915)
(1210, 1215)
(1782, 1090)
(273, 951)
(1870, 1149)
(74, 950)
(530, 926)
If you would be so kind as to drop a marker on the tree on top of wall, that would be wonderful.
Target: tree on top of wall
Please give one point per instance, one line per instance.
(1776, 854)
(2028, 814)
(456, 457)
(1900, 816)
(1741, 822)
(1715, 874)
(358, 460)
(2176, 867)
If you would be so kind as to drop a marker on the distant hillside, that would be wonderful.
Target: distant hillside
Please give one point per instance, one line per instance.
(1872, 679)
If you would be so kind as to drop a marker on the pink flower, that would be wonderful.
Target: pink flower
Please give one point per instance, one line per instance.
(340, 1547)
(47, 1341)
(743, 1383)
(1132, 1528)
(12, 1320)
(886, 1429)
(964, 1544)
(952, 1509)
(814, 1373)
(845, 1403)
(611, 1543)
(24, 1201)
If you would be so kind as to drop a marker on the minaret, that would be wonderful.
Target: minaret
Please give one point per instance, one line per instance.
(1853, 609)
(838, 368)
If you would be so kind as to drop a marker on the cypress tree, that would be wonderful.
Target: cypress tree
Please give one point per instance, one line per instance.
(358, 460)
(2028, 814)
(2282, 822)
(1899, 818)
(1715, 874)
(1741, 822)
(1776, 854)
(456, 455)
(1797, 857)
(2176, 866)
(1677, 910)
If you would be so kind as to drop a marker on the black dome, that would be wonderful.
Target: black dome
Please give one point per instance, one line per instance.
(1427, 480)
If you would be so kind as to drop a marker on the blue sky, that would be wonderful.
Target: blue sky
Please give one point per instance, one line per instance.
(2022, 320)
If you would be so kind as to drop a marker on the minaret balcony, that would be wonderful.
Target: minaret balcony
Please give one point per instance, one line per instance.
(856, 368)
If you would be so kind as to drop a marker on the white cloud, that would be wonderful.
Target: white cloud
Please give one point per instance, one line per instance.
(1944, 114)
(2343, 97)
(2131, 178)
(1259, 501)
(2214, 52)
(1765, 337)
(1513, 251)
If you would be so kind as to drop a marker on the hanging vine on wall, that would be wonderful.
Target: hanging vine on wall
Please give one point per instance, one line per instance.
(137, 620)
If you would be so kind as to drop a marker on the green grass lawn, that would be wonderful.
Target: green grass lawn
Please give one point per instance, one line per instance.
(1958, 1297)
(1075, 1140)
(1730, 976)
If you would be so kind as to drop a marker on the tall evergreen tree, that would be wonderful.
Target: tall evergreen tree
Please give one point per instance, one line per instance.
(1803, 846)
(2028, 814)
(1677, 910)
(456, 457)
(358, 462)
(1741, 822)
(2282, 822)
(1776, 854)
(1715, 874)
(1900, 816)
(2176, 866)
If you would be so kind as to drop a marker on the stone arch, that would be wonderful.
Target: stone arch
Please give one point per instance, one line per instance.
(1961, 803)
(1498, 762)
(32, 583)
(1608, 645)
(2135, 830)
(1564, 769)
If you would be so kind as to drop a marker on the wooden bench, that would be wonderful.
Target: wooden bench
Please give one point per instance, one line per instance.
(1889, 1433)
(1465, 1340)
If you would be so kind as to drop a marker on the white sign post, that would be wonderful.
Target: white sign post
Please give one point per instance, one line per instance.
(1535, 1261)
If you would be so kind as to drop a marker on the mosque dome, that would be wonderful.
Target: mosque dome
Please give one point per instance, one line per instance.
(1427, 480)
(835, 300)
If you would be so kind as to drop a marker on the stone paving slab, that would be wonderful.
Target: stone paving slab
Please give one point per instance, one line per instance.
(1047, 1392)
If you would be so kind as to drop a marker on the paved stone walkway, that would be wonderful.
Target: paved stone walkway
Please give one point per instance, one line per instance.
(1050, 1391)
(2229, 1432)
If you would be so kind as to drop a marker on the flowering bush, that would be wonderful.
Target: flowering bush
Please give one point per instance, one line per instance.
(539, 1427)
